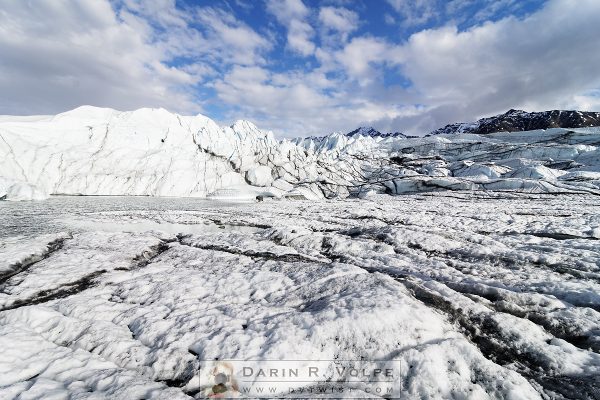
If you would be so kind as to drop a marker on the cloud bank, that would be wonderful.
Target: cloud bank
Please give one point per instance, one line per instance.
(302, 68)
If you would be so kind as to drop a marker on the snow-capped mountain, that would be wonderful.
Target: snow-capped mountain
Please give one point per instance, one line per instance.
(357, 140)
(372, 132)
(518, 120)
(152, 152)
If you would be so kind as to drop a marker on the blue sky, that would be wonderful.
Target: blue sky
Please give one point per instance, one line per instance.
(393, 21)
(302, 67)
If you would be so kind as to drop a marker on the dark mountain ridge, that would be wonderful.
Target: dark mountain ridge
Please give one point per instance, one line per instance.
(518, 120)
(370, 131)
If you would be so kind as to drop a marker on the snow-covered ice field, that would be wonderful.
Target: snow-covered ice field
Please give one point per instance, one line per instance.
(476, 294)
(152, 152)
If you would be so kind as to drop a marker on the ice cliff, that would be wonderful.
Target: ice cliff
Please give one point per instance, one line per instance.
(152, 152)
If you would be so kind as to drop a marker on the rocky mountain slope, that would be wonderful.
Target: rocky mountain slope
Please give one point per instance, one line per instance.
(370, 131)
(518, 120)
(152, 152)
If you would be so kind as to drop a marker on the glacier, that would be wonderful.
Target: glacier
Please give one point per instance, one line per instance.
(476, 295)
(18, 190)
(470, 260)
(152, 152)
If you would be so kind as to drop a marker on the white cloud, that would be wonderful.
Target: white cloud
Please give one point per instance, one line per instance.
(541, 62)
(287, 10)
(362, 55)
(59, 54)
(338, 19)
(485, 9)
(162, 12)
(547, 60)
(292, 14)
(229, 40)
(245, 5)
(589, 101)
(415, 12)
(260, 91)
(299, 37)
(389, 19)
(297, 103)
(336, 24)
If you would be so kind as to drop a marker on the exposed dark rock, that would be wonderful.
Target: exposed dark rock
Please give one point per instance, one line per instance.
(370, 131)
(518, 120)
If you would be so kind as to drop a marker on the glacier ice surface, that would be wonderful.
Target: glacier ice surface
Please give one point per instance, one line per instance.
(478, 295)
(152, 152)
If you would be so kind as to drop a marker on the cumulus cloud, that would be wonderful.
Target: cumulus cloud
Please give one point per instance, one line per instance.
(125, 54)
(542, 61)
(228, 40)
(299, 37)
(266, 91)
(546, 60)
(338, 22)
(292, 14)
(305, 103)
(360, 57)
(60, 54)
